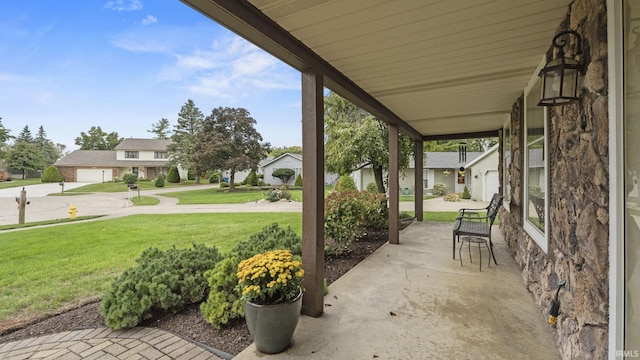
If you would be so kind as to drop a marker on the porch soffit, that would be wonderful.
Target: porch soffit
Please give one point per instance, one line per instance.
(433, 67)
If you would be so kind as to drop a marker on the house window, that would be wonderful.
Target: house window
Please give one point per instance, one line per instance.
(506, 163)
(535, 165)
(160, 155)
(131, 154)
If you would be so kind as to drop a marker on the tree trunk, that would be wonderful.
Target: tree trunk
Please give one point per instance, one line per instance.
(232, 177)
(377, 175)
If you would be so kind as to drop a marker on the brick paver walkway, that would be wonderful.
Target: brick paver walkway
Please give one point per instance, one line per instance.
(104, 343)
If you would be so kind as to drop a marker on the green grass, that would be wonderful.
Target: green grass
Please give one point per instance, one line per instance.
(213, 196)
(120, 186)
(144, 200)
(411, 197)
(18, 183)
(46, 222)
(45, 269)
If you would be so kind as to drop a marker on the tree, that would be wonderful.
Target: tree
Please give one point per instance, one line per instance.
(182, 148)
(228, 140)
(284, 174)
(160, 129)
(4, 137)
(96, 139)
(25, 135)
(356, 139)
(278, 151)
(50, 152)
(24, 156)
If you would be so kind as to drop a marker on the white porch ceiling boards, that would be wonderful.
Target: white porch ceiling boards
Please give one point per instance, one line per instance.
(441, 66)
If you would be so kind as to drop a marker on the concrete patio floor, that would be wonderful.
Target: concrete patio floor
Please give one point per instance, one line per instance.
(413, 301)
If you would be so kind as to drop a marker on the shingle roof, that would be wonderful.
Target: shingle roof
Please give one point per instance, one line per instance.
(89, 158)
(144, 144)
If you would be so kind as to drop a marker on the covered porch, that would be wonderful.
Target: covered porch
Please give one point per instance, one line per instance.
(411, 301)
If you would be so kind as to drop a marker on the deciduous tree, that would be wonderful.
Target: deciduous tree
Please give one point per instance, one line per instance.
(228, 140)
(357, 139)
(96, 139)
(278, 151)
(24, 156)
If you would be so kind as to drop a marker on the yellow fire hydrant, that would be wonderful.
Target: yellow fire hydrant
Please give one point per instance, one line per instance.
(73, 211)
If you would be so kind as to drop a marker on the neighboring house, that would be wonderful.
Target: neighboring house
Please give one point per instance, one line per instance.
(267, 166)
(144, 157)
(482, 175)
(439, 168)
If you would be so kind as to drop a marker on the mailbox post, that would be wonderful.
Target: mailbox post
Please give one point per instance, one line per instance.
(22, 205)
(134, 187)
(62, 186)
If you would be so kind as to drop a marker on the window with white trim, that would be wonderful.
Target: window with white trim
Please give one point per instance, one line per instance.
(536, 197)
(131, 154)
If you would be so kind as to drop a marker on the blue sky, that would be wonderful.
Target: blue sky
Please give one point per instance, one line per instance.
(124, 64)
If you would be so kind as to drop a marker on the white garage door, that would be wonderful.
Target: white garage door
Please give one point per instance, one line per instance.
(491, 184)
(93, 175)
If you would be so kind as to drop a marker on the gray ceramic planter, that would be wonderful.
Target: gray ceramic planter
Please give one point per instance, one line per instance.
(272, 326)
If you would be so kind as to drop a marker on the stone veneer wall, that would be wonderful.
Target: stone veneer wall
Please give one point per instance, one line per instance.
(578, 193)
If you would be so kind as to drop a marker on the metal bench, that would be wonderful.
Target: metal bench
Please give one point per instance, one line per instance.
(471, 222)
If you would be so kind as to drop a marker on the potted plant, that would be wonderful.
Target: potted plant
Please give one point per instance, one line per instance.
(270, 284)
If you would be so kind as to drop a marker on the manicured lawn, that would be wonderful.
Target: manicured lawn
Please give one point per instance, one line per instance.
(121, 187)
(411, 197)
(213, 196)
(18, 183)
(144, 200)
(44, 269)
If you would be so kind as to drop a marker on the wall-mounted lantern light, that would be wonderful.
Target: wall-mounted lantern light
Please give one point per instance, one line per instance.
(560, 75)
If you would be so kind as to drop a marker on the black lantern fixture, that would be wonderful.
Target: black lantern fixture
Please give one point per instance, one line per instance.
(560, 75)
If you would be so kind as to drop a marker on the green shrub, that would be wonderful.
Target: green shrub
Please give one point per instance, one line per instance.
(283, 174)
(345, 182)
(51, 175)
(465, 193)
(223, 302)
(278, 194)
(129, 178)
(173, 176)
(161, 280)
(224, 185)
(261, 183)
(372, 188)
(342, 220)
(375, 212)
(298, 182)
(160, 180)
(251, 179)
(439, 189)
(215, 177)
(191, 175)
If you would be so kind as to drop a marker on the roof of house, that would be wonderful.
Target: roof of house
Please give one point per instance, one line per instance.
(143, 144)
(295, 156)
(100, 158)
(489, 151)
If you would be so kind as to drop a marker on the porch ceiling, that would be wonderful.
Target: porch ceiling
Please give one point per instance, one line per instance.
(433, 67)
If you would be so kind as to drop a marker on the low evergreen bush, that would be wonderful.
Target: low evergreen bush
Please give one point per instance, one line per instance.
(223, 303)
(372, 188)
(298, 182)
(51, 174)
(160, 281)
(215, 177)
(465, 193)
(160, 180)
(173, 176)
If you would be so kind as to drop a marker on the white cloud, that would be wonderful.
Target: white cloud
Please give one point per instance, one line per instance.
(123, 5)
(150, 19)
(232, 69)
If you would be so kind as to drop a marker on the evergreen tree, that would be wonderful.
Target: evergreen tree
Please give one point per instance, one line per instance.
(182, 148)
(4, 137)
(50, 152)
(160, 129)
(25, 135)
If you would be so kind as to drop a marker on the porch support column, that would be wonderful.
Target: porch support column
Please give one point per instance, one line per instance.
(313, 192)
(419, 177)
(394, 191)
